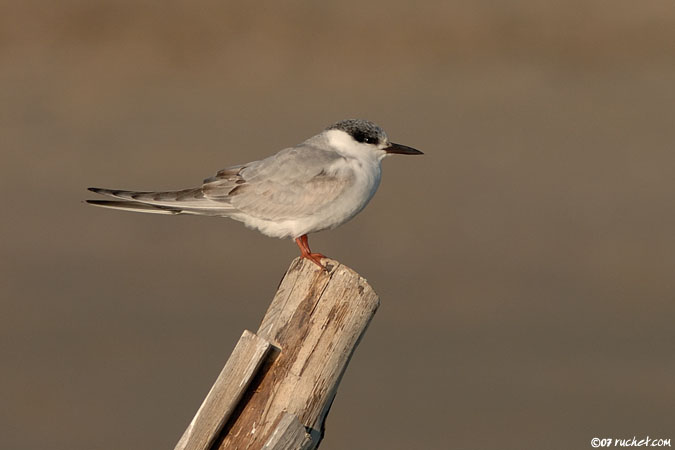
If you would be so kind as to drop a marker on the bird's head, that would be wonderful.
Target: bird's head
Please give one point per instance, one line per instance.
(356, 137)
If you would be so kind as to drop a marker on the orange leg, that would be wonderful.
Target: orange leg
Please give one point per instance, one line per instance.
(305, 252)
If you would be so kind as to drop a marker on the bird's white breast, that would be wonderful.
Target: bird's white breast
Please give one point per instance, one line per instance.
(364, 175)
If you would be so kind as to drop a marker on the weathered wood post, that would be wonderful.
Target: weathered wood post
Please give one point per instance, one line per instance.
(276, 389)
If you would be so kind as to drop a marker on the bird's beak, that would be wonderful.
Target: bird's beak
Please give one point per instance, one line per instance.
(401, 149)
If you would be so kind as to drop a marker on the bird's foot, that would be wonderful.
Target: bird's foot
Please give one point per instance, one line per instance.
(305, 252)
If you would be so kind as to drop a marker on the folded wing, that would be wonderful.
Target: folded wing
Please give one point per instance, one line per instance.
(294, 183)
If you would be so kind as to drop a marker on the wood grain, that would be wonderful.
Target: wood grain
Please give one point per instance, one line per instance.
(289, 433)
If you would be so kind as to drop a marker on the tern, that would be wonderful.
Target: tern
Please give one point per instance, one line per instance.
(316, 185)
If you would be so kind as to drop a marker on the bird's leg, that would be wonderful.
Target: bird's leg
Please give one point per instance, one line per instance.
(305, 252)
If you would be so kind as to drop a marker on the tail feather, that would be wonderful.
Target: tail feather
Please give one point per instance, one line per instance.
(186, 201)
(135, 206)
(162, 197)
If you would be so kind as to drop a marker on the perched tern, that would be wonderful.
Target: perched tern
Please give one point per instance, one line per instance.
(314, 186)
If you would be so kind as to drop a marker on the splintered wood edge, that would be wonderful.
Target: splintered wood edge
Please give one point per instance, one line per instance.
(228, 389)
(301, 274)
(289, 434)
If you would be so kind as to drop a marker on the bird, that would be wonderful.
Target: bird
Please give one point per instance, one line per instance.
(316, 185)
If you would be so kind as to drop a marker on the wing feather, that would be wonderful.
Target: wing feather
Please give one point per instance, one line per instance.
(294, 183)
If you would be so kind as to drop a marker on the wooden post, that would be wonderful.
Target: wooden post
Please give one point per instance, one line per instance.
(275, 391)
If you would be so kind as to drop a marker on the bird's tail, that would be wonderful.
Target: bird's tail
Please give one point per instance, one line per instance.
(187, 201)
(134, 206)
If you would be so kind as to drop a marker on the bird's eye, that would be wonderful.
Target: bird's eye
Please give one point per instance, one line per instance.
(359, 137)
(364, 138)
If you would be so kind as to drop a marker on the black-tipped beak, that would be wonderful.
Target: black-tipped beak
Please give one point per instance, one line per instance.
(402, 149)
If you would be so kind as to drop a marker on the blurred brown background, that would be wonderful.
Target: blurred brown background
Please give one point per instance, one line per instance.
(525, 264)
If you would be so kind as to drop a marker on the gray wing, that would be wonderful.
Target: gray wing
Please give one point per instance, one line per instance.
(296, 182)
(293, 183)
